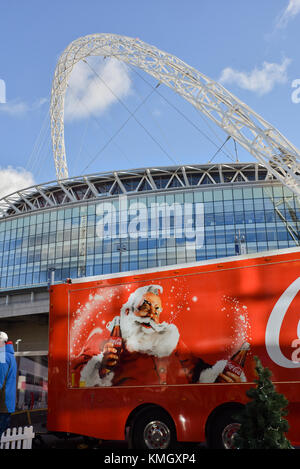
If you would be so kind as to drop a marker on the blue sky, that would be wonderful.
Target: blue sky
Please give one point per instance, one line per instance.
(252, 47)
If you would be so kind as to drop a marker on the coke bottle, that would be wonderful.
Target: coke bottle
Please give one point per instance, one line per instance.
(116, 336)
(117, 343)
(236, 363)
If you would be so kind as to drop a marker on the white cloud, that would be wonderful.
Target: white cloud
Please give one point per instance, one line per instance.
(14, 108)
(18, 108)
(289, 13)
(93, 89)
(39, 103)
(260, 81)
(14, 179)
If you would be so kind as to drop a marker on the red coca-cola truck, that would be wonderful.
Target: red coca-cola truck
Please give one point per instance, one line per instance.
(167, 354)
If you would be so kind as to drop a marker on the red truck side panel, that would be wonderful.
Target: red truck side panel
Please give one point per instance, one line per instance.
(205, 313)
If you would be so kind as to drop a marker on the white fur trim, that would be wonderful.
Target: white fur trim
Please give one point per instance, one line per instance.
(90, 373)
(210, 374)
(160, 343)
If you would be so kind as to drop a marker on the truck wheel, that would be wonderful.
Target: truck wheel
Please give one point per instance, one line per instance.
(222, 430)
(153, 429)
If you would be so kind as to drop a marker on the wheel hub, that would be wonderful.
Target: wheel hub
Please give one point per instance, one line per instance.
(157, 435)
(228, 435)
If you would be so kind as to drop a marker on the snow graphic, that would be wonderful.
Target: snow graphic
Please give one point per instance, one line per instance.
(241, 327)
(89, 318)
(177, 300)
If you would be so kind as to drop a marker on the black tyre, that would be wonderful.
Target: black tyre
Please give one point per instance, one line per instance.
(222, 429)
(153, 429)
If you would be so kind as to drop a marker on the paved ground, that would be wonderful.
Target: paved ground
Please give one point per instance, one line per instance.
(74, 442)
(50, 441)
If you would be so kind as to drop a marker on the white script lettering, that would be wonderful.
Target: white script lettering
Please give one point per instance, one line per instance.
(274, 325)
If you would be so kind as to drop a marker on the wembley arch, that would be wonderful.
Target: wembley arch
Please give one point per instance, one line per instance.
(256, 135)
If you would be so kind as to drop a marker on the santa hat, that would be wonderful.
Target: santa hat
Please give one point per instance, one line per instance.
(3, 337)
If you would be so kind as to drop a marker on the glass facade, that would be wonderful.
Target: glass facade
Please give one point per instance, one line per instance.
(32, 381)
(73, 239)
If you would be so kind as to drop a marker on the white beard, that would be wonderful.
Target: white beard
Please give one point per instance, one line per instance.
(158, 340)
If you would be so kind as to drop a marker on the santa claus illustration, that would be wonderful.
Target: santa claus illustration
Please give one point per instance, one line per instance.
(151, 351)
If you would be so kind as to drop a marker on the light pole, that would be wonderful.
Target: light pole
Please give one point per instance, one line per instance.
(17, 343)
(121, 248)
(240, 244)
(51, 276)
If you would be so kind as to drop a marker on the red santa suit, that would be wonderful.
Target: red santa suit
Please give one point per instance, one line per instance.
(136, 368)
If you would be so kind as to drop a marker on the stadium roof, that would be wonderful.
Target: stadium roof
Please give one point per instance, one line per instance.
(129, 182)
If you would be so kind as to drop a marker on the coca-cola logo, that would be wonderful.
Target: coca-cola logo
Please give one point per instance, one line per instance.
(117, 341)
(234, 368)
(274, 326)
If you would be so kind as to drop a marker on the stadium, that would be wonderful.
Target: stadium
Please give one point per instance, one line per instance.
(73, 227)
(51, 230)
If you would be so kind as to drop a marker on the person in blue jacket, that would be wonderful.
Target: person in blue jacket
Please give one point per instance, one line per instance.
(8, 374)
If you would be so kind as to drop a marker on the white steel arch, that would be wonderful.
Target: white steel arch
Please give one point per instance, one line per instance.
(256, 135)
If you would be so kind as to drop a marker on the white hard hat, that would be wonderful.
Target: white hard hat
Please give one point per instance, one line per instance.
(3, 336)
